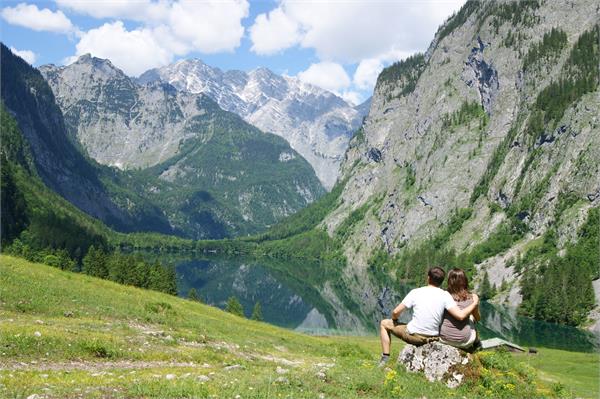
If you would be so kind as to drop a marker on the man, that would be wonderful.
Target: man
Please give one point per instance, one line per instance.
(428, 304)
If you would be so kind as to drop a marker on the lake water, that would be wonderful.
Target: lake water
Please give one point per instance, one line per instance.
(290, 301)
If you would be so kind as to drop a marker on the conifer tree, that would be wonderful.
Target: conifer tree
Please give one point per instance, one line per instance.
(486, 290)
(193, 295)
(257, 312)
(234, 307)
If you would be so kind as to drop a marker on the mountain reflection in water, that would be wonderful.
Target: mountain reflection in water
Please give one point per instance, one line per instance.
(291, 302)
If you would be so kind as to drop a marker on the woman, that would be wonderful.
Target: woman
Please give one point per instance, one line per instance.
(461, 334)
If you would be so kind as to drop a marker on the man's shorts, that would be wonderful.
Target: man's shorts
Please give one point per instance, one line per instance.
(401, 332)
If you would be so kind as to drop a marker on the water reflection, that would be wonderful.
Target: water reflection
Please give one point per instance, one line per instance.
(283, 301)
(293, 300)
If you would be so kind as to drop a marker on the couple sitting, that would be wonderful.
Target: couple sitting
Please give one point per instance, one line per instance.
(437, 314)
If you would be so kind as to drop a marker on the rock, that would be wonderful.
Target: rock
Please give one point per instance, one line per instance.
(374, 155)
(68, 313)
(34, 396)
(281, 370)
(233, 367)
(439, 362)
(37, 334)
(203, 378)
(170, 376)
(282, 380)
(321, 375)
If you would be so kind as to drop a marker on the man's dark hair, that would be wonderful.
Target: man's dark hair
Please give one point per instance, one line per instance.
(436, 276)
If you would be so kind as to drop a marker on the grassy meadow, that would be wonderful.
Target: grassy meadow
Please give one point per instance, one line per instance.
(68, 335)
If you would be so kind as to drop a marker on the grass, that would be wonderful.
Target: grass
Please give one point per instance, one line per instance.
(64, 334)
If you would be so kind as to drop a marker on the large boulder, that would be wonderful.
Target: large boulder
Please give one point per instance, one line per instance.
(439, 362)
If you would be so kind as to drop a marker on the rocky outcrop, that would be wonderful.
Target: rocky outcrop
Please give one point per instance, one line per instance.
(316, 123)
(438, 362)
(455, 130)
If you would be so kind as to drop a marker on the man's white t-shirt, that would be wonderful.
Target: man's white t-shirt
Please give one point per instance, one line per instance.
(428, 304)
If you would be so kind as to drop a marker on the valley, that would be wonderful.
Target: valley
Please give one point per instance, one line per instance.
(128, 199)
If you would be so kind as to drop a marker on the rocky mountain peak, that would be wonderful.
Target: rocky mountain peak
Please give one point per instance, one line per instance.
(316, 123)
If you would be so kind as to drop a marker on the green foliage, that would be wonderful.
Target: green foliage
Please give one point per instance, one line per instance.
(257, 312)
(410, 178)
(498, 157)
(405, 73)
(516, 12)
(234, 307)
(551, 45)
(457, 19)
(193, 295)
(559, 289)
(307, 218)
(579, 76)
(345, 228)
(414, 263)
(95, 263)
(226, 180)
(501, 376)
(486, 290)
(469, 111)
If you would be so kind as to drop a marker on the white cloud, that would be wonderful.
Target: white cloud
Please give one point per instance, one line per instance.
(133, 51)
(327, 75)
(351, 31)
(210, 26)
(31, 17)
(366, 73)
(273, 32)
(167, 29)
(137, 10)
(27, 55)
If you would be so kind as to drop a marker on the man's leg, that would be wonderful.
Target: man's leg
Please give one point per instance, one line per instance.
(385, 328)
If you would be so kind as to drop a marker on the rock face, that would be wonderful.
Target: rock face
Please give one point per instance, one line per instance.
(315, 122)
(27, 96)
(457, 131)
(437, 361)
(210, 173)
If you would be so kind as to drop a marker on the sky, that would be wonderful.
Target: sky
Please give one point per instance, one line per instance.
(339, 45)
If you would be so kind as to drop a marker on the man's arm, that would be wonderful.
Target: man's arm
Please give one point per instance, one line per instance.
(462, 314)
(398, 311)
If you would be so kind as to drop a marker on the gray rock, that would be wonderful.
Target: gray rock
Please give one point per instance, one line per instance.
(233, 367)
(439, 362)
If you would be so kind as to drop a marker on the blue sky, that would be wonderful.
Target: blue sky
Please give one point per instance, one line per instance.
(340, 45)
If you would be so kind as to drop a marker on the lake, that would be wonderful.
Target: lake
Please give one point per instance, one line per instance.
(291, 301)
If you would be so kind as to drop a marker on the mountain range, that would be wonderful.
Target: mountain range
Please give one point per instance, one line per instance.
(316, 123)
(212, 175)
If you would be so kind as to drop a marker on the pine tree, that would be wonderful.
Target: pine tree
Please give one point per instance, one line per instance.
(193, 295)
(94, 263)
(257, 312)
(486, 290)
(234, 307)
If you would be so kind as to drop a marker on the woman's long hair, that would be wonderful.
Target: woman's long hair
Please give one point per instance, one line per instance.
(458, 285)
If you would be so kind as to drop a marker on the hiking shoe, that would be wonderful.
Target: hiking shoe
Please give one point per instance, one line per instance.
(383, 361)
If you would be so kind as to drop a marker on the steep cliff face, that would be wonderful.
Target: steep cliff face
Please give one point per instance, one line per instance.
(211, 174)
(315, 122)
(29, 99)
(484, 146)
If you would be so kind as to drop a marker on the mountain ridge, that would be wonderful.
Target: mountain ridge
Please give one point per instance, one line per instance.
(316, 123)
(212, 174)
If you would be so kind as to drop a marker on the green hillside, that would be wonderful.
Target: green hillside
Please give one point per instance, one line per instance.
(69, 335)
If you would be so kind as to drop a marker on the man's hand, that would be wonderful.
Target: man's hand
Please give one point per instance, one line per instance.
(397, 311)
(475, 298)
